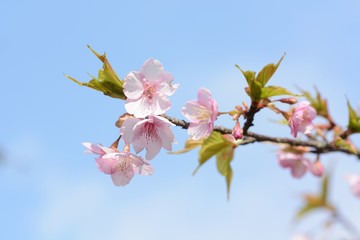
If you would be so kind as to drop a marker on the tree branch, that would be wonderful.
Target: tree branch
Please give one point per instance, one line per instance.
(250, 137)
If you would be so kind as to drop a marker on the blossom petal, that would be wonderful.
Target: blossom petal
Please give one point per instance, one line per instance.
(199, 130)
(153, 146)
(133, 85)
(145, 170)
(107, 163)
(93, 148)
(152, 70)
(127, 129)
(204, 97)
(192, 110)
(167, 137)
(122, 178)
(299, 169)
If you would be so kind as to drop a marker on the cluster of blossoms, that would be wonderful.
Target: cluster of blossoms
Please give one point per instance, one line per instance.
(147, 92)
(294, 159)
(143, 127)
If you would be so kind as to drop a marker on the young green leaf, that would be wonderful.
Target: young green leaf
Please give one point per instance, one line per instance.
(272, 91)
(354, 120)
(339, 142)
(211, 146)
(107, 81)
(267, 72)
(190, 144)
(249, 75)
(255, 91)
(223, 159)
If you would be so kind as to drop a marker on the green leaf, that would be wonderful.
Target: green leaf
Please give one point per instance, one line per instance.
(343, 144)
(190, 144)
(318, 201)
(354, 123)
(255, 91)
(266, 73)
(249, 75)
(107, 81)
(211, 146)
(223, 159)
(272, 91)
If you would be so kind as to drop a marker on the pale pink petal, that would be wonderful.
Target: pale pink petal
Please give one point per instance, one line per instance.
(193, 111)
(140, 108)
(199, 130)
(133, 86)
(152, 70)
(298, 170)
(93, 148)
(153, 146)
(167, 137)
(159, 105)
(107, 163)
(204, 98)
(122, 178)
(127, 129)
(136, 160)
(146, 170)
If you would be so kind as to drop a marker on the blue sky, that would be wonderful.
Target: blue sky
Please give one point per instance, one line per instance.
(52, 190)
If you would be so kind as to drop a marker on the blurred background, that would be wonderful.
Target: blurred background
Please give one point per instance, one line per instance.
(50, 189)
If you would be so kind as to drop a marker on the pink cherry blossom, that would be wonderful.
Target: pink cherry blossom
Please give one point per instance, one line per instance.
(107, 165)
(354, 182)
(147, 90)
(301, 119)
(296, 162)
(151, 133)
(201, 113)
(120, 165)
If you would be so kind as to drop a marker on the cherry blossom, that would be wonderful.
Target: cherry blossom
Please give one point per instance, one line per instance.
(107, 165)
(354, 182)
(296, 162)
(147, 90)
(151, 133)
(301, 119)
(201, 113)
(120, 165)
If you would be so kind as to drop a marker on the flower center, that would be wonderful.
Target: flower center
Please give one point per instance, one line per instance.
(150, 90)
(204, 114)
(123, 164)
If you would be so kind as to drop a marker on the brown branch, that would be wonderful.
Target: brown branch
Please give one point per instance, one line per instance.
(250, 137)
(250, 117)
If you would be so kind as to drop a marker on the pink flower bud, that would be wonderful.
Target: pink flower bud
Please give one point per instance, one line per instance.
(316, 168)
(237, 131)
(289, 100)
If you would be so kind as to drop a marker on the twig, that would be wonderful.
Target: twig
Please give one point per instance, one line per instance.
(250, 137)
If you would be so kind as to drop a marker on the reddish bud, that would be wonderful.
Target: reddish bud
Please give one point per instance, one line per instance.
(237, 131)
(289, 100)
